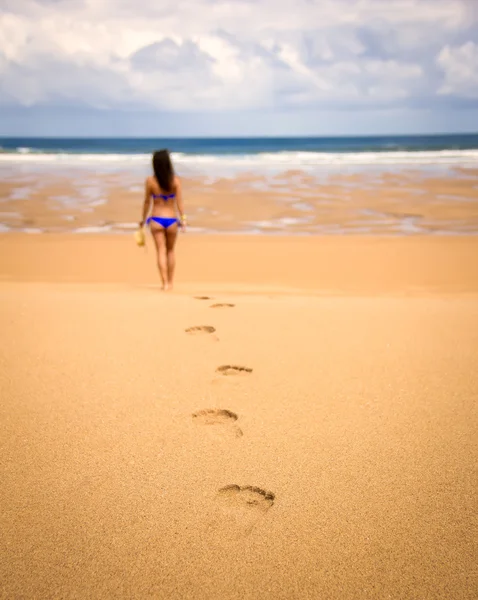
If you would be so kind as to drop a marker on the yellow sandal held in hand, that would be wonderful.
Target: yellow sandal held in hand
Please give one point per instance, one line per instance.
(140, 237)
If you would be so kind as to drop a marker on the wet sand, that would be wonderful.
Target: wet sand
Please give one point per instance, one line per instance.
(338, 460)
(292, 202)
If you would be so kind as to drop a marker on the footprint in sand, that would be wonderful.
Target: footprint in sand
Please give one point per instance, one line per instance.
(199, 329)
(239, 509)
(224, 421)
(224, 305)
(233, 370)
(202, 298)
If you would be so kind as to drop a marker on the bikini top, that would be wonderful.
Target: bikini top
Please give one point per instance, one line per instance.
(165, 197)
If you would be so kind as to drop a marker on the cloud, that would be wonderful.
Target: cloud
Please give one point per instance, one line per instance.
(190, 55)
(460, 67)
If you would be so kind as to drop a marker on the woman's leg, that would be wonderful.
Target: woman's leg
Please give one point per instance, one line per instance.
(159, 235)
(171, 234)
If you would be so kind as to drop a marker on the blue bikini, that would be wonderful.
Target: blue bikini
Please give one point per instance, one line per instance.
(163, 196)
(163, 221)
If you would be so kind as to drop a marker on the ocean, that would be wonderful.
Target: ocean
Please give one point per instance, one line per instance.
(250, 153)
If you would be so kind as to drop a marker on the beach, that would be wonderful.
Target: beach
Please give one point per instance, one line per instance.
(239, 300)
(296, 420)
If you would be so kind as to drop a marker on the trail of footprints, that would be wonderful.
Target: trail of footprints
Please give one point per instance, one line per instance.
(240, 507)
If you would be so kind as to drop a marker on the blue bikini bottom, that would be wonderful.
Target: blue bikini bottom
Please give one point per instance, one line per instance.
(164, 222)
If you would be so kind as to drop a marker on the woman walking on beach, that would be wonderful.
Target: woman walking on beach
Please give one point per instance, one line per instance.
(163, 192)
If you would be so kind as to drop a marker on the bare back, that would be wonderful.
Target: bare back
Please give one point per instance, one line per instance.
(165, 204)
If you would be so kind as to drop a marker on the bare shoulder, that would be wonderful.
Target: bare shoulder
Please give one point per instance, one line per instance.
(177, 183)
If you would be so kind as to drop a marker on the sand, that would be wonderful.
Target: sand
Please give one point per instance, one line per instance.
(340, 464)
(293, 202)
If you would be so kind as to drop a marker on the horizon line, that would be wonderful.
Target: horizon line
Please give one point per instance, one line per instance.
(235, 137)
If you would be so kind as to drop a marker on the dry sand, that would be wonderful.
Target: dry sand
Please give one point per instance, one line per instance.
(342, 467)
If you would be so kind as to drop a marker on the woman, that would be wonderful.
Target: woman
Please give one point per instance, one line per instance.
(164, 189)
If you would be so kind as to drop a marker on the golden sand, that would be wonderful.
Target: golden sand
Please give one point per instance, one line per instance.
(314, 438)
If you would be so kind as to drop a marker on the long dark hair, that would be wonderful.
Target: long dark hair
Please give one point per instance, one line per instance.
(163, 169)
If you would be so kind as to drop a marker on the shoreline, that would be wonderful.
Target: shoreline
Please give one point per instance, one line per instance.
(290, 202)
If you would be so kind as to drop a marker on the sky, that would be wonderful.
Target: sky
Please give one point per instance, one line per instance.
(237, 68)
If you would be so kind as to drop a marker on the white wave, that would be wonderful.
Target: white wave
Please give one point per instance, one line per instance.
(265, 159)
(293, 159)
(70, 158)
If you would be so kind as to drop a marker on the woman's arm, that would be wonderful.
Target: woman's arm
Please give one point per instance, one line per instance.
(180, 203)
(146, 203)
